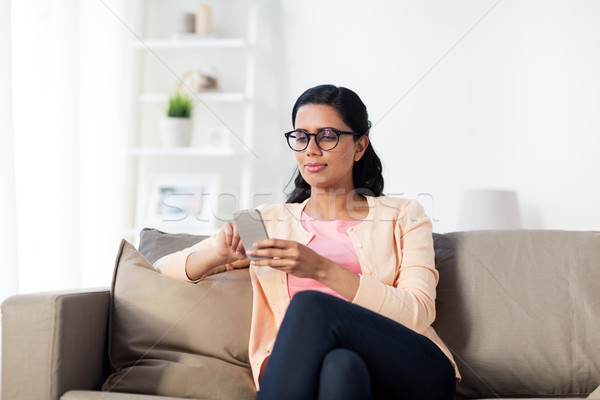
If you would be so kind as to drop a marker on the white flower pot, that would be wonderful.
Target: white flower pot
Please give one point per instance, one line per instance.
(176, 132)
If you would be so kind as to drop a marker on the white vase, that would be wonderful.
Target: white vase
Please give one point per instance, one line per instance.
(176, 132)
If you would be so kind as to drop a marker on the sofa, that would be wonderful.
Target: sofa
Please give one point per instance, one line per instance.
(520, 310)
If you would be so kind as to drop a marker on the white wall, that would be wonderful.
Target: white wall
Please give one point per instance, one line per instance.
(463, 94)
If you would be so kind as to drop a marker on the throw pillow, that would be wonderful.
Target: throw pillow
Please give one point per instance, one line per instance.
(178, 339)
(154, 243)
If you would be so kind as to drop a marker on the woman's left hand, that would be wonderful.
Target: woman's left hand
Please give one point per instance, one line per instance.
(288, 256)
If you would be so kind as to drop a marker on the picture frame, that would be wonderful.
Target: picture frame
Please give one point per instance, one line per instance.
(181, 202)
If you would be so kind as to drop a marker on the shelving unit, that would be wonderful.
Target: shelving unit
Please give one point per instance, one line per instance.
(189, 43)
(157, 64)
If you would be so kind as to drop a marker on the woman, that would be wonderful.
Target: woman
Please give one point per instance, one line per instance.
(357, 266)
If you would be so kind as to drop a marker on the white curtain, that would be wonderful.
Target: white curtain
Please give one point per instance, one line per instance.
(8, 222)
(68, 84)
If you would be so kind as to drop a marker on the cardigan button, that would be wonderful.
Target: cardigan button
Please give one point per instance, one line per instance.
(368, 272)
(360, 246)
(350, 229)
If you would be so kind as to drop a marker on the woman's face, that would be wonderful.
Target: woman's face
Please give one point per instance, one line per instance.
(327, 169)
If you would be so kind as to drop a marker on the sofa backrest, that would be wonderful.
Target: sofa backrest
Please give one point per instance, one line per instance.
(520, 310)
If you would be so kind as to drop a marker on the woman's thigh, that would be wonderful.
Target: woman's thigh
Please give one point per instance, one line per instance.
(400, 361)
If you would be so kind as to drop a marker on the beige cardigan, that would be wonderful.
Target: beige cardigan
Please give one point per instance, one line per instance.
(394, 246)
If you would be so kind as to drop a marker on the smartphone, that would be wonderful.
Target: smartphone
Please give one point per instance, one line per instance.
(251, 227)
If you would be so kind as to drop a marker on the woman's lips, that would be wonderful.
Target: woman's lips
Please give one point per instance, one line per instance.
(314, 167)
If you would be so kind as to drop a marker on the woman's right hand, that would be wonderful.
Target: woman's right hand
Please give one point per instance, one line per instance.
(228, 250)
(229, 244)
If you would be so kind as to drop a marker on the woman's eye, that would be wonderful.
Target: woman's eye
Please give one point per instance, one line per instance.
(329, 136)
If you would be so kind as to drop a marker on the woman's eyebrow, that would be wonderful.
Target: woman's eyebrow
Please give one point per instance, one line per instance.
(320, 129)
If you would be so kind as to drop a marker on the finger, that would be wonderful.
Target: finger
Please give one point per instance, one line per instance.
(270, 262)
(228, 231)
(222, 236)
(240, 248)
(236, 244)
(276, 243)
(268, 252)
(235, 238)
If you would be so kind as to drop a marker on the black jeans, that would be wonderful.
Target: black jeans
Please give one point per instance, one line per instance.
(328, 348)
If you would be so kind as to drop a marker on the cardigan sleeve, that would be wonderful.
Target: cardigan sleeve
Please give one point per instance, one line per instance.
(173, 264)
(411, 299)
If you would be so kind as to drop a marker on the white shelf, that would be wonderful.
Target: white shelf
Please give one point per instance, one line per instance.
(189, 43)
(182, 151)
(222, 97)
(149, 92)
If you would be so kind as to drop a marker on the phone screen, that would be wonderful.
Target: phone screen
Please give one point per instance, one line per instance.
(251, 227)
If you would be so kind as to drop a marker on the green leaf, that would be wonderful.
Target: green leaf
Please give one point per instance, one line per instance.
(180, 105)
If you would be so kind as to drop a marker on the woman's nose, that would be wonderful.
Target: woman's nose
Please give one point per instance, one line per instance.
(312, 147)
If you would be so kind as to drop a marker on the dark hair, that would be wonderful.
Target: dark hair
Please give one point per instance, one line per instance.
(366, 173)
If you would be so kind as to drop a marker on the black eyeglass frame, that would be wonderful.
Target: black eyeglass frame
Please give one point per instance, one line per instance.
(337, 132)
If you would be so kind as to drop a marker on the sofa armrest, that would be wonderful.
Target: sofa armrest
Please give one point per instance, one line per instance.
(54, 342)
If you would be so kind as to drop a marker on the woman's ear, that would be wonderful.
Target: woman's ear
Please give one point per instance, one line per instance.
(361, 146)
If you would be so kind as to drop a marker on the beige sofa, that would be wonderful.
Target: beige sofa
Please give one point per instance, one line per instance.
(520, 310)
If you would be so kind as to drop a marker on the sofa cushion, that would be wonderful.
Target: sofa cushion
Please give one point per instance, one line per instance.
(96, 395)
(178, 339)
(520, 310)
(154, 243)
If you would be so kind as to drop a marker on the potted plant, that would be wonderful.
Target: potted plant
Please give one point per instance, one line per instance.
(177, 126)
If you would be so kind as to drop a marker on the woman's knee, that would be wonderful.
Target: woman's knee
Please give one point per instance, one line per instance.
(344, 375)
(344, 362)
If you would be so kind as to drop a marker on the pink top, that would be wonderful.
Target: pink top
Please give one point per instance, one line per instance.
(330, 240)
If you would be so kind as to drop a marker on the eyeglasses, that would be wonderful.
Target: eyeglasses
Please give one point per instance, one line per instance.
(326, 138)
